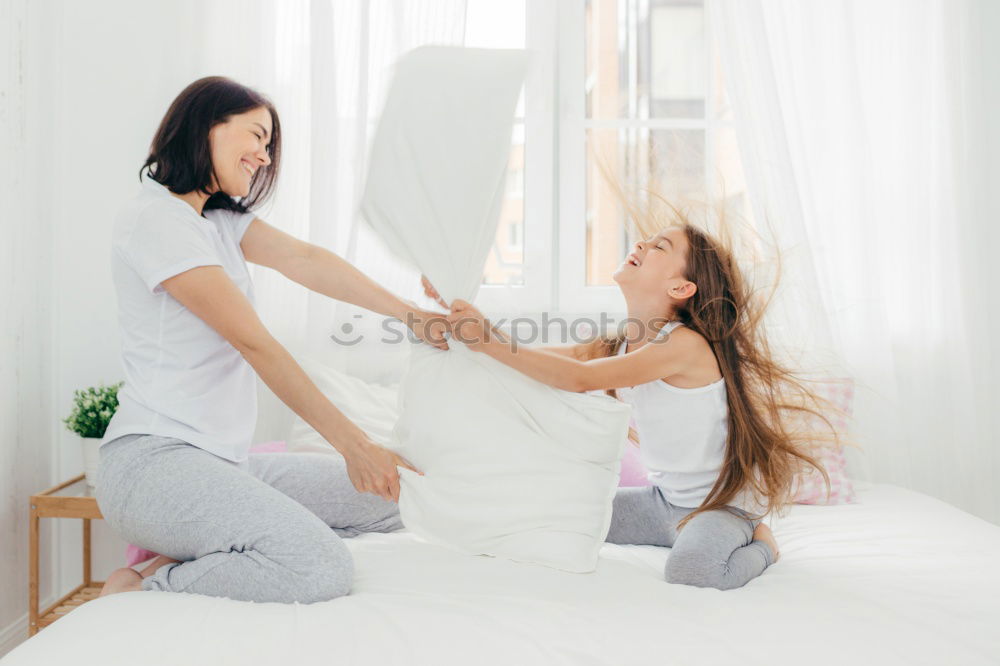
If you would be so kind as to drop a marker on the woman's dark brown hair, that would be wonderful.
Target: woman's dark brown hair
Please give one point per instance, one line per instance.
(180, 157)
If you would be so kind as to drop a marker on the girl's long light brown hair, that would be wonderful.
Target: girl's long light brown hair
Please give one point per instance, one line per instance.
(772, 411)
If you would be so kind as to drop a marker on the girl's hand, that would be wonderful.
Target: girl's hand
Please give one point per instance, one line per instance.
(468, 325)
(430, 327)
(431, 292)
(372, 469)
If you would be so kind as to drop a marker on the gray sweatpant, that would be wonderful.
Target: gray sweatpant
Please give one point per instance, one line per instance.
(714, 549)
(266, 529)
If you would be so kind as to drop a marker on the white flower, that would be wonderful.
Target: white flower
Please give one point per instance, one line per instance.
(105, 413)
(88, 402)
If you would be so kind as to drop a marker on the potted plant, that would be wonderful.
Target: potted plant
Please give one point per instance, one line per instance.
(92, 411)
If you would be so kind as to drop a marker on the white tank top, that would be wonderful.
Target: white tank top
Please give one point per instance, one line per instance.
(682, 434)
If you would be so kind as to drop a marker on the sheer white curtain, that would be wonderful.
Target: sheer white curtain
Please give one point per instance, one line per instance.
(857, 124)
(326, 65)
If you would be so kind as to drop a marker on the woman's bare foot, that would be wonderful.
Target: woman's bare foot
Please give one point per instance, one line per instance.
(763, 533)
(122, 580)
(155, 564)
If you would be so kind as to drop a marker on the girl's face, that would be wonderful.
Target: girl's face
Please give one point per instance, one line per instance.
(239, 148)
(655, 268)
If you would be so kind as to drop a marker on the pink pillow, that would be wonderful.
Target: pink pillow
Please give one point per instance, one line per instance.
(809, 487)
(633, 472)
(277, 446)
(135, 555)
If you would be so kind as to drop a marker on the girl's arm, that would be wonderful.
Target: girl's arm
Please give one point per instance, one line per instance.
(569, 351)
(322, 271)
(584, 351)
(655, 360)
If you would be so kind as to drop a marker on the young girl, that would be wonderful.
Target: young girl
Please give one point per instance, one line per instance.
(705, 399)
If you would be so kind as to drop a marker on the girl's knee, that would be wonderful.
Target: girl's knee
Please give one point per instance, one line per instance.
(699, 571)
(707, 552)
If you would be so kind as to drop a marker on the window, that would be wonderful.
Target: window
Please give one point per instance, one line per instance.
(632, 96)
(518, 274)
(503, 25)
(644, 108)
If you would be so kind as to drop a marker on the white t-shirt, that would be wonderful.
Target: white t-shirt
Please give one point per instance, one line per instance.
(182, 379)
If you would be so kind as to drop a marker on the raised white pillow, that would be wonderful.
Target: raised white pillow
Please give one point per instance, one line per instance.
(513, 468)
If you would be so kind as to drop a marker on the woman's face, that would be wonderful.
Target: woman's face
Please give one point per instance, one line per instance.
(239, 149)
(655, 267)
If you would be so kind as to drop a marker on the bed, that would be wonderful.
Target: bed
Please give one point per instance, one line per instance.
(897, 578)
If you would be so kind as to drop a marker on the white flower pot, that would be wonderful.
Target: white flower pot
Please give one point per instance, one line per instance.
(91, 456)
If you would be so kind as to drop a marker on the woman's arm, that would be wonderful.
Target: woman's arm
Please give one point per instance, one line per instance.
(322, 271)
(211, 295)
(656, 360)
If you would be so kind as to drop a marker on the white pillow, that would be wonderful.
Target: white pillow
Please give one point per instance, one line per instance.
(372, 407)
(512, 467)
(439, 159)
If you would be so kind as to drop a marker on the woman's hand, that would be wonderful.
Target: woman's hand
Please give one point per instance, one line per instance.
(372, 469)
(468, 325)
(431, 292)
(430, 327)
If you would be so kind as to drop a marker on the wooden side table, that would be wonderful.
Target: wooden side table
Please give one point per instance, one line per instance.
(71, 499)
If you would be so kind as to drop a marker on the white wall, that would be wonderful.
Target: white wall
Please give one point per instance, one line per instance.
(84, 87)
(980, 99)
(26, 368)
(114, 74)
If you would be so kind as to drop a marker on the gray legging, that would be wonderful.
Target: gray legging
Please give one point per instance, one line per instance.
(266, 529)
(269, 529)
(714, 549)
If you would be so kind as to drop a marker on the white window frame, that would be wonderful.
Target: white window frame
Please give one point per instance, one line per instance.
(570, 241)
(536, 292)
(555, 125)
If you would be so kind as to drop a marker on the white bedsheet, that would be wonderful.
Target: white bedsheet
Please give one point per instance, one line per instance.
(899, 578)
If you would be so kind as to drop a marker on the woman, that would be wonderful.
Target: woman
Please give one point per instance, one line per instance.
(174, 475)
(708, 399)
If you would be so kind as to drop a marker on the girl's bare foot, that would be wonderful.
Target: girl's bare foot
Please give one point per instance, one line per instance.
(763, 533)
(155, 564)
(122, 580)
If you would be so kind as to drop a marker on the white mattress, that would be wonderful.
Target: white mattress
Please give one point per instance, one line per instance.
(898, 578)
